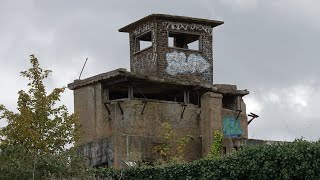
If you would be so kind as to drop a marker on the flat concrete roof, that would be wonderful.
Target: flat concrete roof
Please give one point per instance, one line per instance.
(121, 74)
(185, 19)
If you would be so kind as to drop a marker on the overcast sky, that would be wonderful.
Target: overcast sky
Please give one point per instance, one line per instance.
(269, 47)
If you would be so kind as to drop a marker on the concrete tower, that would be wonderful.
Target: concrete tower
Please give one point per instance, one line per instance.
(169, 46)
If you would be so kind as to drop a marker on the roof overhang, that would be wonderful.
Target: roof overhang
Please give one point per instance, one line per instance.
(185, 19)
(122, 76)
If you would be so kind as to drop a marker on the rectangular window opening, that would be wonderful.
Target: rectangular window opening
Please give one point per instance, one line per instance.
(195, 97)
(168, 95)
(143, 41)
(153, 92)
(117, 92)
(184, 40)
(229, 102)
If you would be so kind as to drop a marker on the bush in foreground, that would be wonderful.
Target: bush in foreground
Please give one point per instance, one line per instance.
(297, 160)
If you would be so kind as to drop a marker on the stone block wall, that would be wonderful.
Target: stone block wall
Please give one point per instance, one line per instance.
(163, 61)
(143, 62)
(182, 63)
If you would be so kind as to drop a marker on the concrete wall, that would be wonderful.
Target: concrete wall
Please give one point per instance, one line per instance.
(134, 135)
(231, 145)
(88, 105)
(211, 119)
(130, 133)
(144, 129)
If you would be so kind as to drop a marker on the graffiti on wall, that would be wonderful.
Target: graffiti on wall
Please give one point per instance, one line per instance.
(231, 127)
(97, 153)
(144, 61)
(179, 63)
(143, 28)
(187, 27)
(207, 75)
(206, 44)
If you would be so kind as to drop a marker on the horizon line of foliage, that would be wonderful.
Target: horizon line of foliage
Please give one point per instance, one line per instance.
(297, 160)
(33, 144)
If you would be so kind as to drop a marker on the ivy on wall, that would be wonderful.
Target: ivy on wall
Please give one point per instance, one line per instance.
(216, 147)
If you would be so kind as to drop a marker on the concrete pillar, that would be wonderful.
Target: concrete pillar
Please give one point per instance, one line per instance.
(211, 119)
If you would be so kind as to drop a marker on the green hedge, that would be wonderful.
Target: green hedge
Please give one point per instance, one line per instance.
(297, 160)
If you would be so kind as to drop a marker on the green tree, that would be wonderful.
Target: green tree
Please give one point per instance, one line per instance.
(39, 125)
(33, 144)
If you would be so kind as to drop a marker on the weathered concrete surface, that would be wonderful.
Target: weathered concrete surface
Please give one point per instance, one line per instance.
(211, 119)
(84, 102)
(98, 153)
(133, 124)
(88, 102)
(134, 135)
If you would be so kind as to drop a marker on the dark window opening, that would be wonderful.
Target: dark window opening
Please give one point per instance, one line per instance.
(194, 97)
(143, 41)
(152, 92)
(229, 102)
(184, 40)
(168, 95)
(118, 93)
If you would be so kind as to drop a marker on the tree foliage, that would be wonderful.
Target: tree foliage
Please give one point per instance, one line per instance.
(39, 125)
(33, 144)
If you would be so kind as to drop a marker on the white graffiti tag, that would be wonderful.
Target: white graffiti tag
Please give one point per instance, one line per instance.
(178, 63)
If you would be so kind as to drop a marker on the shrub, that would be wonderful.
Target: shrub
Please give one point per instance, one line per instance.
(297, 160)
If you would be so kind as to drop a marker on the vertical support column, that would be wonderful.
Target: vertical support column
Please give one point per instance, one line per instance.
(244, 119)
(186, 95)
(211, 119)
(106, 95)
(130, 92)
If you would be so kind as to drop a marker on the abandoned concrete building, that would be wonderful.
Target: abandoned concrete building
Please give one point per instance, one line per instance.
(170, 80)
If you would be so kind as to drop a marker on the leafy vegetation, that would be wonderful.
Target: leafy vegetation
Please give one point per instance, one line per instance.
(38, 125)
(173, 148)
(16, 162)
(33, 144)
(216, 147)
(297, 160)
